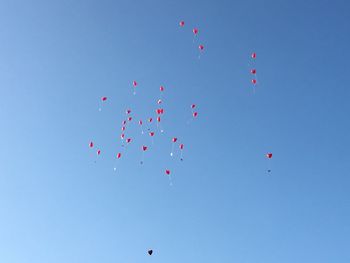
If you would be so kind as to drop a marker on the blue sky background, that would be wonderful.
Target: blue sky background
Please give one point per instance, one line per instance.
(57, 58)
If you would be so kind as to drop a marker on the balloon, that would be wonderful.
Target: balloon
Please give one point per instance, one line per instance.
(174, 139)
(254, 55)
(128, 111)
(167, 172)
(193, 106)
(119, 155)
(254, 81)
(134, 83)
(181, 146)
(124, 122)
(122, 136)
(98, 152)
(104, 98)
(182, 23)
(161, 88)
(150, 252)
(159, 101)
(140, 122)
(123, 128)
(195, 114)
(128, 140)
(91, 144)
(150, 120)
(253, 71)
(144, 148)
(195, 31)
(201, 47)
(130, 118)
(158, 119)
(151, 134)
(269, 155)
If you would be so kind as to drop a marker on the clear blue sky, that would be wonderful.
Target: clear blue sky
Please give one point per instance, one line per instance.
(57, 58)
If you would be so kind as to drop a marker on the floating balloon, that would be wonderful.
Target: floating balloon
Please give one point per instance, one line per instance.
(98, 152)
(128, 140)
(151, 134)
(144, 148)
(193, 106)
(201, 47)
(253, 71)
(150, 252)
(104, 98)
(254, 81)
(150, 120)
(122, 136)
(123, 128)
(128, 111)
(195, 114)
(159, 101)
(269, 155)
(134, 83)
(91, 144)
(195, 31)
(254, 55)
(161, 88)
(119, 155)
(130, 119)
(167, 172)
(182, 23)
(174, 139)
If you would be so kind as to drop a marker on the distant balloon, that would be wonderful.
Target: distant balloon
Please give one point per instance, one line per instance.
(159, 101)
(144, 148)
(91, 144)
(253, 71)
(134, 83)
(174, 139)
(158, 119)
(98, 152)
(128, 140)
(193, 106)
(195, 31)
(254, 81)
(150, 252)
(269, 155)
(201, 47)
(195, 114)
(123, 128)
(150, 120)
(104, 98)
(140, 122)
(130, 119)
(167, 172)
(182, 23)
(151, 134)
(119, 155)
(128, 111)
(161, 88)
(181, 146)
(122, 136)
(254, 55)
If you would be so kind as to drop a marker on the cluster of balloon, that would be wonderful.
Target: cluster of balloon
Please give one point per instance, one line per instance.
(153, 128)
(195, 32)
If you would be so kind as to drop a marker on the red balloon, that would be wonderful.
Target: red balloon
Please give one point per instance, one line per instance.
(128, 140)
(253, 71)
(269, 155)
(123, 128)
(144, 148)
(91, 144)
(181, 146)
(104, 98)
(254, 81)
(161, 88)
(193, 106)
(130, 118)
(151, 134)
(174, 139)
(124, 122)
(182, 23)
(150, 120)
(122, 136)
(128, 111)
(195, 114)
(134, 83)
(167, 172)
(254, 55)
(158, 119)
(119, 155)
(98, 152)
(195, 31)
(140, 122)
(201, 47)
